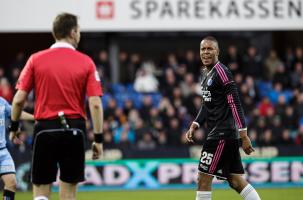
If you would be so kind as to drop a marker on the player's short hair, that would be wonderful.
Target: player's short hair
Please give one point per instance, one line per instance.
(63, 24)
(211, 38)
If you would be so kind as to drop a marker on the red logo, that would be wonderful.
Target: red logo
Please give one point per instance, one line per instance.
(105, 9)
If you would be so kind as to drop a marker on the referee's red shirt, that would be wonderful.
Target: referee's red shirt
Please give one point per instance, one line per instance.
(61, 78)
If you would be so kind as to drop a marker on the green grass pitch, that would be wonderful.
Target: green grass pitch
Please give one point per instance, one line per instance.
(266, 194)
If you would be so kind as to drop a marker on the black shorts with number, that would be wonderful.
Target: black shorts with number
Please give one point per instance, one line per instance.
(55, 148)
(221, 158)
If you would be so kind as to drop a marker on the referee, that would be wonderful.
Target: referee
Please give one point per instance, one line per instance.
(61, 78)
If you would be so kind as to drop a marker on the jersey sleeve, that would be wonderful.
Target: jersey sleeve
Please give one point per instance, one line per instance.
(201, 116)
(93, 85)
(232, 96)
(8, 109)
(26, 78)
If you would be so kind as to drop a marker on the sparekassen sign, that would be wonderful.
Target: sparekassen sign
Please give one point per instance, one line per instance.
(154, 15)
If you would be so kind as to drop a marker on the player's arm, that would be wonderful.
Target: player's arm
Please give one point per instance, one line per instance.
(96, 110)
(199, 120)
(233, 100)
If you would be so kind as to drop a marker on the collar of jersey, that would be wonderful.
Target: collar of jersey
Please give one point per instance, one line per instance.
(212, 68)
(62, 45)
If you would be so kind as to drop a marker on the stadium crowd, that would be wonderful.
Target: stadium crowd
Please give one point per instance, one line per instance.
(155, 100)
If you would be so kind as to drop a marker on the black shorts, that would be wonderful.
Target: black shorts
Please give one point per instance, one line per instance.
(55, 148)
(221, 158)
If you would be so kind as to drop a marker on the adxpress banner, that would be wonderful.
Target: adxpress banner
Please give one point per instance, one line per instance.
(182, 173)
(154, 15)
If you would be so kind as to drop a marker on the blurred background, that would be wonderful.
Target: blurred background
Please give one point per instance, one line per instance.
(147, 54)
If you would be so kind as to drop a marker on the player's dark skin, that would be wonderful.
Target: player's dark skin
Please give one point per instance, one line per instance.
(209, 53)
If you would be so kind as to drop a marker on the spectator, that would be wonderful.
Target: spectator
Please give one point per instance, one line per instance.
(264, 106)
(147, 142)
(267, 138)
(298, 56)
(6, 90)
(145, 80)
(124, 135)
(290, 121)
(281, 76)
(271, 64)
(252, 63)
(289, 58)
(191, 62)
(174, 132)
(188, 86)
(233, 59)
(103, 66)
(285, 138)
(299, 137)
(295, 76)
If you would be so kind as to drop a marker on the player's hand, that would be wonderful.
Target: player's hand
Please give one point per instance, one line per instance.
(97, 149)
(246, 145)
(14, 137)
(190, 135)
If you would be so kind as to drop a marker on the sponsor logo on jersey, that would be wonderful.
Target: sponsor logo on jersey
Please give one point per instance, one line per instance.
(203, 167)
(209, 82)
(206, 95)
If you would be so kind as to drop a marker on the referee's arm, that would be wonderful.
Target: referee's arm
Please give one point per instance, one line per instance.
(96, 111)
(17, 107)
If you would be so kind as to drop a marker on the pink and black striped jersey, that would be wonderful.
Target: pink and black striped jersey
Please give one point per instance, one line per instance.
(221, 108)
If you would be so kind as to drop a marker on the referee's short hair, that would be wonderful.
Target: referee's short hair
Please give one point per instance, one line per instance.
(63, 24)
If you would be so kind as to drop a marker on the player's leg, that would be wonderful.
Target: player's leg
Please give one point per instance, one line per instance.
(7, 171)
(238, 183)
(67, 191)
(210, 162)
(41, 191)
(10, 186)
(204, 186)
(235, 172)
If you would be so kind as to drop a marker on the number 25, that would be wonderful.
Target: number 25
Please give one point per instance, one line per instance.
(206, 158)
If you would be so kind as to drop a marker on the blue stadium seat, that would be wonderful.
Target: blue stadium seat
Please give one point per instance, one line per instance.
(156, 99)
(137, 99)
(130, 88)
(118, 88)
(105, 98)
(264, 87)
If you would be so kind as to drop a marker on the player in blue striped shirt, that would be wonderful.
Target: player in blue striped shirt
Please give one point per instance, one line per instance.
(7, 166)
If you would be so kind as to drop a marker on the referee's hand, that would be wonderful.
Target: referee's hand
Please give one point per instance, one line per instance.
(246, 145)
(14, 137)
(97, 149)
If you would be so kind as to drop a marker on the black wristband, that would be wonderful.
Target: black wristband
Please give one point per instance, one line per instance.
(14, 126)
(98, 137)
